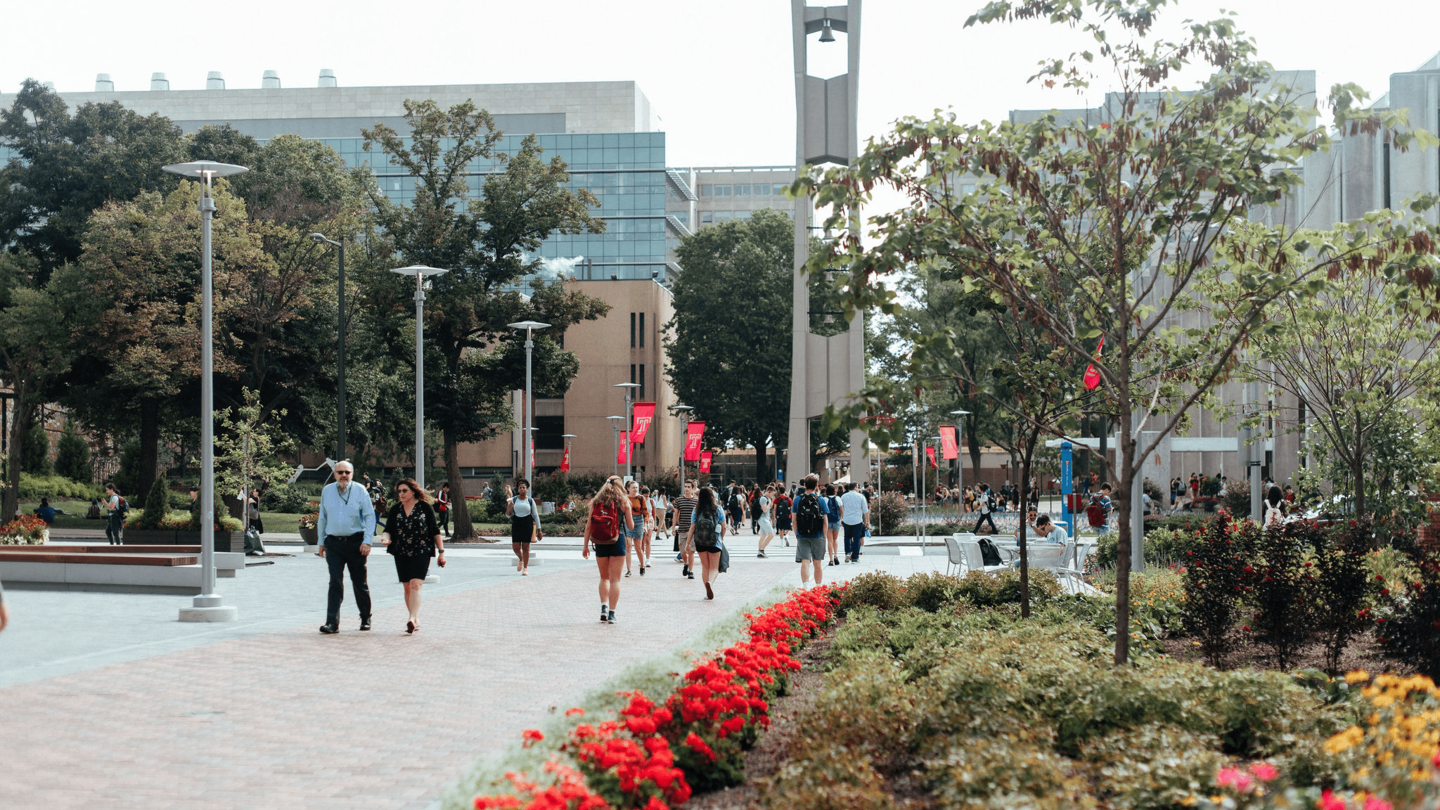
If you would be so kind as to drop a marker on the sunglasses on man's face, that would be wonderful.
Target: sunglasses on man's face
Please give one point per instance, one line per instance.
(343, 472)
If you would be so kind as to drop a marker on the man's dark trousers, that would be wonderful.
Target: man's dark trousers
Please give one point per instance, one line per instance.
(854, 537)
(340, 553)
(985, 517)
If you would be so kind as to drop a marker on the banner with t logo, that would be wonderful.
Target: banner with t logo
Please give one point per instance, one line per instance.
(565, 462)
(624, 455)
(694, 434)
(705, 463)
(644, 415)
(949, 445)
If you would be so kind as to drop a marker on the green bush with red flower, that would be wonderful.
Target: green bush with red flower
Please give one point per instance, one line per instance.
(25, 530)
(654, 755)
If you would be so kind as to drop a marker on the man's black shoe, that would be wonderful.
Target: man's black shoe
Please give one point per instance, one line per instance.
(329, 628)
(364, 624)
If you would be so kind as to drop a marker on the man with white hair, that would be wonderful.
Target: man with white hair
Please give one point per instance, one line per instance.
(346, 526)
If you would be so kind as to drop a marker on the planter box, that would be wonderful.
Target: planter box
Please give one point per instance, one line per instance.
(310, 536)
(224, 541)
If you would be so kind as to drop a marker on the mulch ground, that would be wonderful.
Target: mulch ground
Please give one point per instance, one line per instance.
(773, 748)
(1363, 653)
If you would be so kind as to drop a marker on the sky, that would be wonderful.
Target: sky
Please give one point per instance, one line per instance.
(719, 74)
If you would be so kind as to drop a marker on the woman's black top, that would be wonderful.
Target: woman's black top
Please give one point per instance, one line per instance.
(412, 535)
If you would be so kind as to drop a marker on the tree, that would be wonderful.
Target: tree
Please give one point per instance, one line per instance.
(69, 165)
(729, 342)
(1119, 220)
(246, 449)
(484, 244)
(1356, 355)
(72, 455)
(32, 353)
(36, 453)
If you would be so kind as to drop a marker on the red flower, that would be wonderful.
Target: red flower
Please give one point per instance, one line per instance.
(531, 736)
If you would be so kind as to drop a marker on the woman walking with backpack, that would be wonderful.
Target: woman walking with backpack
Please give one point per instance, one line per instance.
(782, 514)
(707, 529)
(766, 526)
(524, 525)
(610, 519)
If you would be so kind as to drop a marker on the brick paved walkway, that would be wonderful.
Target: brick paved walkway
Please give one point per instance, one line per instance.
(376, 720)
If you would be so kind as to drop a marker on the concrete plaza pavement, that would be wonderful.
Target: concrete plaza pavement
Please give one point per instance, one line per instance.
(109, 700)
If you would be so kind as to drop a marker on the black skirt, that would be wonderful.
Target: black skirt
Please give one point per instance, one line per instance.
(522, 529)
(408, 567)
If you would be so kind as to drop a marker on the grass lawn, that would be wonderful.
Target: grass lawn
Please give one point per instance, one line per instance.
(74, 518)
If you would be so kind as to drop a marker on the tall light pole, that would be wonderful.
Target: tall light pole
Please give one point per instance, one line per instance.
(567, 437)
(614, 458)
(682, 411)
(960, 453)
(629, 423)
(420, 272)
(529, 327)
(208, 606)
(319, 238)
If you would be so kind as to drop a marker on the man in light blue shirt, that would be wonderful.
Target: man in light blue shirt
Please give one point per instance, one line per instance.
(346, 526)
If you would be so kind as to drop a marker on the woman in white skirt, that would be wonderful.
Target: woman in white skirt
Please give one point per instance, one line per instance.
(767, 518)
(659, 507)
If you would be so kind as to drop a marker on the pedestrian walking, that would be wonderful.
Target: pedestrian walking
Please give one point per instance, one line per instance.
(660, 509)
(832, 524)
(810, 531)
(707, 530)
(854, 521)
(637, 530)
(524, 525)
(752, 502)
(4, 611)
(684, 513)
(783, 522)
(346, 526)
(734, 505)
(642, 551)
(442, 508)
(115, 509)
(610, 517)
(984, 503)
(766, 526)
(412, 535)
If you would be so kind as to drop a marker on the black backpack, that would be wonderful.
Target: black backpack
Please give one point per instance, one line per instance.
(989, 554)
(734, 502)
(782, 507)
(706, 528)
(124, 507)
(809, 520)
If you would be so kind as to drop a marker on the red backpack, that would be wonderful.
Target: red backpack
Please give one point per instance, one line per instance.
(604, 524)
(1096, 514)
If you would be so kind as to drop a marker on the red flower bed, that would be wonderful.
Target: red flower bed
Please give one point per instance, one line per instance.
(653, 755)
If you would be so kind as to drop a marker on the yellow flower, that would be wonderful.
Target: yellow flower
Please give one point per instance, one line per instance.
(1357, 676)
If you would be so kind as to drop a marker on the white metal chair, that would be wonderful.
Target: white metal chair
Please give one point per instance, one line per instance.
(955, 557)
(975, 561)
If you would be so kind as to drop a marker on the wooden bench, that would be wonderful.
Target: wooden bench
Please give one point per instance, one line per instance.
(103, 567)
(98, 548)
(84, 558)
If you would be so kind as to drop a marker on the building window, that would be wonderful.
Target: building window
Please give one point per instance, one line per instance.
(742, 191)
(642, 330)
(632, 330)
(550, 433)
(706, 217)
(780, 189)
(742, 214)
(722, 191)
(762, 189)
(707, 191)
(642, 383)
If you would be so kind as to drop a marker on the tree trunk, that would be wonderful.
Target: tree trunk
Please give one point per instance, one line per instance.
(761, 466)
(1357, 469)
(149, 445)
(23, 414)
(1104, 449)
(462, 529)
(1123, 548)
(1025, 459)
(974, 450)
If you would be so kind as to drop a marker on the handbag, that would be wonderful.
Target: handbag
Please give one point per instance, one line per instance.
(724, 557)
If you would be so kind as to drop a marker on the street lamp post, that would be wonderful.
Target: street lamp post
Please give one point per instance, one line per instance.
(614, 458)
(529, 327)
(629, 422)
(319, 238)
(567, 437)
(420, 272)
(960, 454)
(682, 411)
(208, 606)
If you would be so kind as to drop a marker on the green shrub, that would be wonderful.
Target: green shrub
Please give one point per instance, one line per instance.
(35, 450)
(35, 487)
(1157, 765)
(551, 487)
(825, 778)
(1237, 497)
(875, 589)
(987, 590)
(72, 456)
(933, 591)
(179, 501)
(1411, 634)
(288, 498)
(890, 513)
(157, 504)
(1180, 523)
(1163, 547)
(1215, 582)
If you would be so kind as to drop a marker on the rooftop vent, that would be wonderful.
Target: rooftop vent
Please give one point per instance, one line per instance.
(327, 78)
(271, 80)
(159, 82)
(214, 81)
(103, 83)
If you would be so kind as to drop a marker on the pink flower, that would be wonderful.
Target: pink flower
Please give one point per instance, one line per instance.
(1329, 801)
(1376, 803)
(1263, 771)
(1234, 778)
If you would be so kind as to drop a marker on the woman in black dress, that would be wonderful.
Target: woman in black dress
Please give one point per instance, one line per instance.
(413, 536)
(524, 524)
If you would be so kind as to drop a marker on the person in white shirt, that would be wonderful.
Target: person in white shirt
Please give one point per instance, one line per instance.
(854, 520)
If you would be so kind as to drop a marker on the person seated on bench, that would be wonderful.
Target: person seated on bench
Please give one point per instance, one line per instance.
(1039, 529)
(45, 512)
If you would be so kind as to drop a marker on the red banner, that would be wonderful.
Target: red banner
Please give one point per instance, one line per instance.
(565, 460)
(1092, 377)
(532, 454)
(705, 463)
(930, 453)
(949, 444)
(694, 434)
(644, 414)
(624, 455)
